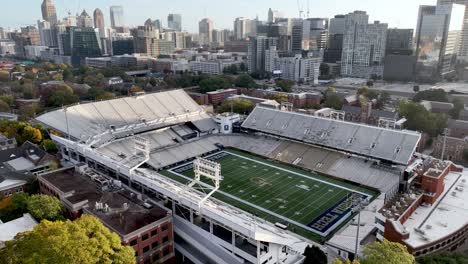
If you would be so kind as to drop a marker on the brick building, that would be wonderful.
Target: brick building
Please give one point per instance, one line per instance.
(145, 226)
(217, 97)
(430, 216)
(367, 115)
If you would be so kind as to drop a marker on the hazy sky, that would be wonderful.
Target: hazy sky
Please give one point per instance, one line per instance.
(397, 13)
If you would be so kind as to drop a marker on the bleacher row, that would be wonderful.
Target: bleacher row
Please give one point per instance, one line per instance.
(87, 120)
(328, 162)
(396, 146)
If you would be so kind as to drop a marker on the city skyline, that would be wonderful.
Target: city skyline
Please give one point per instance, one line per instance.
(217, 11)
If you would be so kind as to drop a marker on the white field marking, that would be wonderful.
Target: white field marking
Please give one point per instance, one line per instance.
(268, 211)
(257, 207)
(299, 174)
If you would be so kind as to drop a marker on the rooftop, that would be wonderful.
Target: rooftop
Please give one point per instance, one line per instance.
(9, 230)
(125, 213)
(449, 214)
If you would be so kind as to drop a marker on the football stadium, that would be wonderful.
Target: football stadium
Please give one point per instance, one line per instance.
(269, 189)
(260, 194)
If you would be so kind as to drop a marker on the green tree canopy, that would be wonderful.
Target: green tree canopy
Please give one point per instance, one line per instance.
(334, 101)
(285, 85)
(419, 119)
(49, 145)
(47, 207)
(83, 241)
(240, 106)
(245, 81)
(438, 95)
(386, 252)
(214, 83)
(17, 207)
(445, 258)
(4, 107)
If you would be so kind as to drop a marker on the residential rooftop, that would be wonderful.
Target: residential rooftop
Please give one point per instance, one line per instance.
(118, 209)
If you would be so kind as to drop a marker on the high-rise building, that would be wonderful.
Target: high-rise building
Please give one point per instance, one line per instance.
(315, 33)
(363, 46)
(99, 22)
(49, 12)
(85, 20)
(337, 25)
(298, 69)
(174, 22)
(256, 56)
(297, 33)
(242, 28)
(28, 36)
(157, 24)
(334, 47)
(439, 38)
(47, 33)
(146, 40)
(80, 43)
(205, 31)
(117, 16)
(399, 41)
(271, 17)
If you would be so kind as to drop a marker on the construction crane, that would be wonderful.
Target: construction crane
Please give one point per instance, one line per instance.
(308, 8)
(301, 10)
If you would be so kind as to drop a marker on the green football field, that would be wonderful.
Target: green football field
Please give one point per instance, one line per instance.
(305, 199)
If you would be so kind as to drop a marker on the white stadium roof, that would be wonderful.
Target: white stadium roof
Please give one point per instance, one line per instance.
(89, 121)
(396, 146)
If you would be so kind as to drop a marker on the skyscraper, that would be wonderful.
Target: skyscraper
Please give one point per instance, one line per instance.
(157, 24)
(363, 46)
(257, 53)
(85, 20)
(80, 43)
(99, 22)
(47, 34)
(242, 28)
(174, 21)
(205, 31)
(271, 17)
(48, 12)
(117, 16)
(439, 38)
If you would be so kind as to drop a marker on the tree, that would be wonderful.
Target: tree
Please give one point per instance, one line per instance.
(458, 105)
(334, 101)
(386, 252)
(438, 95)
(285, 85)
(4, 76)
(153, 81)
(444, 258)
(280, 98)
(49, 145)
(245, 81)
(347, 261)
(419, 119)
(314, 255)
(7, 99)
(31, 134)
(135, 89)
(85, 240)
(214, 83)
(383, 99)
(105, 96)
(4, 107)
(46, 207)
(17, 207)
(240, 106)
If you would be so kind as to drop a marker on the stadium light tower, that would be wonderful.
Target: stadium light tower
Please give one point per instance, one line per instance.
(208, 169)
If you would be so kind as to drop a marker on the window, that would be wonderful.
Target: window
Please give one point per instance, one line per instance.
(144, 237)
(165, 239)
(166, 251)
(154, 232)
(146, 249)
(164, 228)
(133, 242)
(154, 245)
